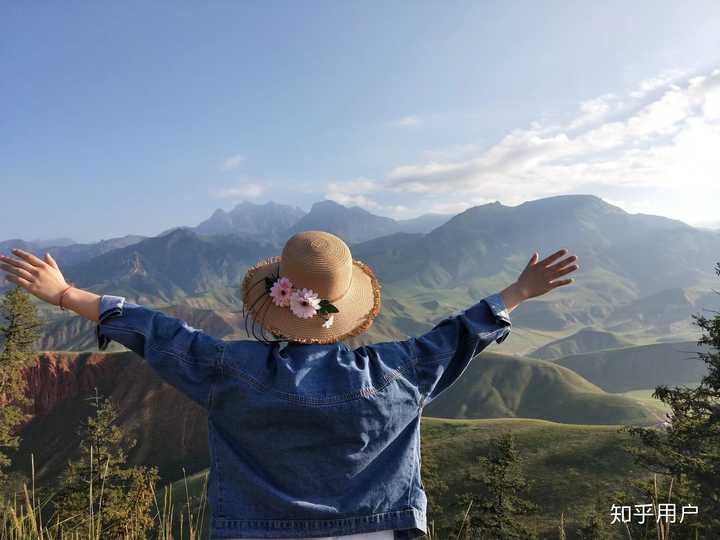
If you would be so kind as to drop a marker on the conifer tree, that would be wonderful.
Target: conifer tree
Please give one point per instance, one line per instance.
(19, 329)
(99, 492)
(595, 523)
(498, 495)
(688, 447)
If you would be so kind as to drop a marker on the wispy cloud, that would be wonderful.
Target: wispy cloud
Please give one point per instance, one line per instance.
(407, 121)
(653, 83)
(358, 193)
(662, 138)
(232, 162)
(354, 192)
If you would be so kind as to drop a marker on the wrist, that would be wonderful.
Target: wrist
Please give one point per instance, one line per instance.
(61, 298)
(514, 295)
(69, 299)
(84, 303)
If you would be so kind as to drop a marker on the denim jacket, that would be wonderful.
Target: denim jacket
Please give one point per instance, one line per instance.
(309, 440)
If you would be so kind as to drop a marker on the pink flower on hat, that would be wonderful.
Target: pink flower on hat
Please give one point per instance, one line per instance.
(304, 303)
(281, 292)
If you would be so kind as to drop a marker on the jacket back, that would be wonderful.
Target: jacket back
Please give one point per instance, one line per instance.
(309, 440)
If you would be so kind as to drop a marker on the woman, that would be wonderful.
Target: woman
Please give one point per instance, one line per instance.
(308, 438)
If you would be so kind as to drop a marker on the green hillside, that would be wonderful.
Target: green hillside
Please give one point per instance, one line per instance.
(645, 395)
(501, 386)
(568, 466)
(644, 366)
(585, 340)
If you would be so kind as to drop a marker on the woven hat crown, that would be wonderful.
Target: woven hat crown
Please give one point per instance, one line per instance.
(320, 261)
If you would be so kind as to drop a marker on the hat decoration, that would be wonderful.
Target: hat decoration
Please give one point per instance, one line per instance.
(304, 303)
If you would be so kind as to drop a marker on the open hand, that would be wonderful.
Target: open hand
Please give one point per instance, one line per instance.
(540, 277)
(40, 278)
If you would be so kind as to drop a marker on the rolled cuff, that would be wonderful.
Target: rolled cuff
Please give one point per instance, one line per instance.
(110, 306)
(499, 310)
(498, 307)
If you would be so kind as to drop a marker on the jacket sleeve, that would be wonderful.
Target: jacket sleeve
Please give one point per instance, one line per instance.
(441, 355)
(183, 356)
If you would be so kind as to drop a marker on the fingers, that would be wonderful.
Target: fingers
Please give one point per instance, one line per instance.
(552, 258)
(17, 271)
(49, 259)
(558, 271)
(24, 283)
(561, 282)
(20, 264)
(532, 260)
(561, 264)
(29, 257)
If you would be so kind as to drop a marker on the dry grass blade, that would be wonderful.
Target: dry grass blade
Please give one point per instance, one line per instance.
(467, 512)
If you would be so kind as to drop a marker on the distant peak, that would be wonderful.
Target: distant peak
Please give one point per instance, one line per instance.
(572, 202)
(245, 204)
(181, 232)
(327, 203)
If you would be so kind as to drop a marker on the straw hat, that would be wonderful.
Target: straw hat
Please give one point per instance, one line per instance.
(314, 292)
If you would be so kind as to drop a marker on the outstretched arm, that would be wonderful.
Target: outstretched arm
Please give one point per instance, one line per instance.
(185, 357)
(43, 279)
(440, 356)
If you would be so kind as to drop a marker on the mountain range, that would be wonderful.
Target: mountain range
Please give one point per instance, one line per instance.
(275, 223)
(640, 277)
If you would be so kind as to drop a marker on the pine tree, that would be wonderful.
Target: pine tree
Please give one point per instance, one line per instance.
(18, 332)
(100, 495)
(688, 449)
(595, 522)
(498, 495)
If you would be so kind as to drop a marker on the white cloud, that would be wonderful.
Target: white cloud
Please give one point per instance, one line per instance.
(248, 190)
(358, 193)
(667, 142)
(407, 121)
(353, 192)
(232, 162)
(653, 83)
(594, 110)
(653, 150)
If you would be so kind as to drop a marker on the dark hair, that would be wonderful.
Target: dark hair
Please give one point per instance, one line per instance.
(253, 323)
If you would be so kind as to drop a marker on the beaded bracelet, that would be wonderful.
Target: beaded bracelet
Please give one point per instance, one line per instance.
(62, 294)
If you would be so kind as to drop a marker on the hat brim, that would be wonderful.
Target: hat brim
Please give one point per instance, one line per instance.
(356, 309)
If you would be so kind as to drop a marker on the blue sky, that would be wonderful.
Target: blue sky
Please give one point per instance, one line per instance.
(133, 117)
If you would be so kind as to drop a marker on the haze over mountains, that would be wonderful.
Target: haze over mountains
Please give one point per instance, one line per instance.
(640, 276)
